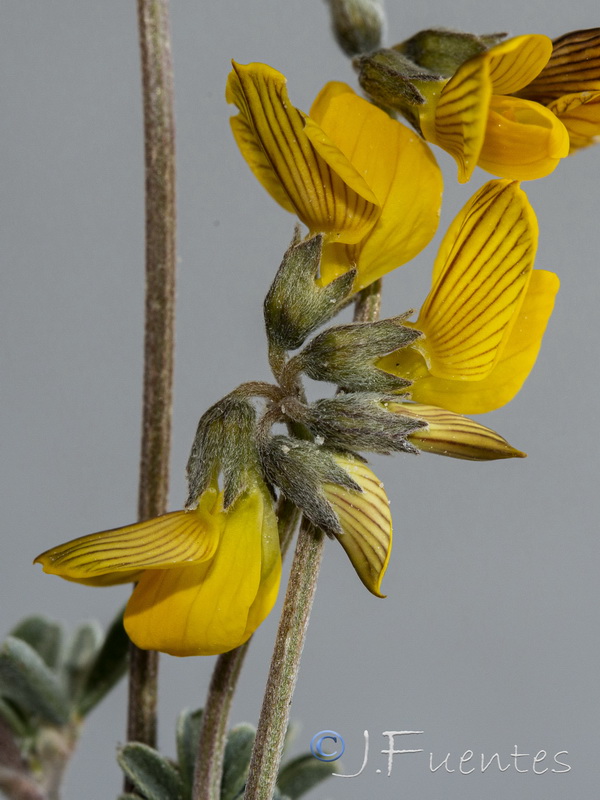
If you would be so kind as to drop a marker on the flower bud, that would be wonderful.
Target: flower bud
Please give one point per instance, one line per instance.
(450, 434)
(357, 24)
(224, 442)
(346, 355)
(295, 304)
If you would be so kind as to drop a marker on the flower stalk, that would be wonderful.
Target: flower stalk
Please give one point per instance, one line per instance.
(159, 148)
(285, 664)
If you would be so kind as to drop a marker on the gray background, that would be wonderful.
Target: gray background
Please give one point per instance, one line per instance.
(488, 636)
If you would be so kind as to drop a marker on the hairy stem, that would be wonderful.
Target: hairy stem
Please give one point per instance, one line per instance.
(215, 717)
(272, 726)
(159, 148)
(285, 663)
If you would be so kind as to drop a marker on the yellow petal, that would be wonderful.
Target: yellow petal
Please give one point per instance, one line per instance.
(166, 541)
(516, 62)
(270, 571)
(509, 374)
(450, 434)
(574, 66)
(204, 609)
(109, 579)
(401, 172)
(473, 304)
(366, 521)
(459, 121)
(323, 188)
(523, 140)
(580, 114)
(258, 162)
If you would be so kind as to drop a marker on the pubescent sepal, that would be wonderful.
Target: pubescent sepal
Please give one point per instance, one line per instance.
(295, 305)
(361, 421)
(448, 434)
(357, 24)
(300, 469)
(224, 443)
(391, 79)
(442, 51)
(346, 355)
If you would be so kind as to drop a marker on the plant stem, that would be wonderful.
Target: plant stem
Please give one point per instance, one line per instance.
(215, 717)
(285, 662)
(159, 147)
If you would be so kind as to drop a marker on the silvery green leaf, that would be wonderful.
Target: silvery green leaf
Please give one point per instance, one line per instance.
(301, 774)
(150, 772)
(26, 680)
(44, 635)
(15, 720)
(80, 653)
(188, 735)
(295, 304)
(236, 760)
(107, 668)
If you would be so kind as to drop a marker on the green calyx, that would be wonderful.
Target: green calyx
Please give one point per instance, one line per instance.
(295, 304)
(441, 51)
(224, 444)
(299, 469)
(346, 355)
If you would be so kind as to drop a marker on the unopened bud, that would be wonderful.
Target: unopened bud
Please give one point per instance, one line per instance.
(357, 24)
(346, 355)
(295, 304)
(224, 443)
(450, 434)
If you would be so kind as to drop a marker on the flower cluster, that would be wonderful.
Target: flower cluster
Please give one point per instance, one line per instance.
(369, 191)
(515, 108)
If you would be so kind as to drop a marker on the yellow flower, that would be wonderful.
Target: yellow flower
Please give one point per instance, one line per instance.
(487, 310)
(473, 117)
(569, 85)
(349, 171)
(207, 577)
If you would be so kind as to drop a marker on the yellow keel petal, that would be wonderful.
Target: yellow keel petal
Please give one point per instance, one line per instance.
(523, 140)
(204, 609)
